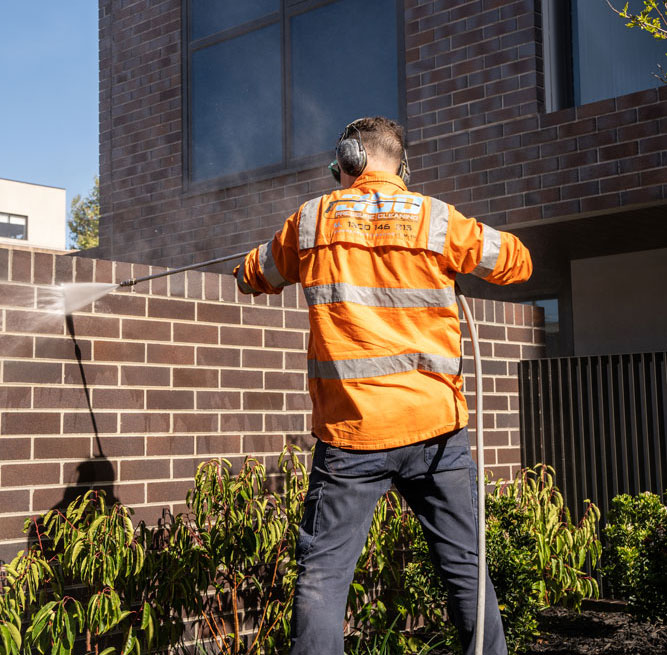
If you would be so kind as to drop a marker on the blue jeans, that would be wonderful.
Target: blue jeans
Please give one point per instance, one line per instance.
(437, 478)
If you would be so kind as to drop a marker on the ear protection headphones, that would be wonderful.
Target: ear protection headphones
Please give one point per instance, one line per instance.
(351, 156)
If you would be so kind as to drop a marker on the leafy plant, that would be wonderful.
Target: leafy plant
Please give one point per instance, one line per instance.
(636, 553)
(243, 538)
(79, 579)
(535, 556)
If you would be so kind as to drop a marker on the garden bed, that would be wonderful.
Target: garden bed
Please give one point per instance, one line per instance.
(594, 632)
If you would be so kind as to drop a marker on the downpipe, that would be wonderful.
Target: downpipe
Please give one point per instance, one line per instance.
(479, 408)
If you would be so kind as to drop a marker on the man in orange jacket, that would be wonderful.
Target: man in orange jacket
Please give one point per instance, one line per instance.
(377, 264)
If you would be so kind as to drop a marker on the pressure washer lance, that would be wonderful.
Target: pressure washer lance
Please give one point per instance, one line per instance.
(481, 486)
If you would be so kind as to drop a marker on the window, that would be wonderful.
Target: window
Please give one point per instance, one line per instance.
(13, 227)
(551, 324)
(589, 53)
(271, 83)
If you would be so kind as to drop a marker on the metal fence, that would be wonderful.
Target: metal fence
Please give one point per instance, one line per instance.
(599, 421)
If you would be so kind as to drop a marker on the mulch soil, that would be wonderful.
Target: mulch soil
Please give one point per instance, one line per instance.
(593, 632)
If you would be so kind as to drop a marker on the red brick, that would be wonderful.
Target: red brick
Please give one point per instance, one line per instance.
(118, 398)
(21, 268)
(16, 346)
(15, 475)
(241, 379)
(15, 448)
(145, 376)
(121, 305)
(37, 372)
(298, 401)
(62, 448)
(170, 445)
(230, 336)
(195, 333)
(15, 501)
(17, 295)
(284, 422)
(263, 400)
(263, 443)
(119, 351)
(216, 444)
(120, 446)
(169, 308)
(89, 325)
(164, 492)
(85, 422)
(14, 397)
(93, 374)
(30, 423)
(262, 317)
(195, 377)
(34, 322)
(59, 398)
(171, 400)
(65, 348)
(144, 423)
(292, 381)
(241, 422)
(219, 400)
(218, 313)
(170, 354)
(262, 359)
(218, 356)
(144, 469)
(146, 330)
(196, 422)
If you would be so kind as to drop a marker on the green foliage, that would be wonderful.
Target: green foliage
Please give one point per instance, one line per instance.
(635, 560)
(84, 221)
(535, 556)
(95, 550)
(228, 563)
(243, 537)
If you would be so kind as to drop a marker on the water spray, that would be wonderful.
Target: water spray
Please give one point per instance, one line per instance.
(78, 295)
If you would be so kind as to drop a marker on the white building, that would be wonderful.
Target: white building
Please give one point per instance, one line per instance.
(32, 215)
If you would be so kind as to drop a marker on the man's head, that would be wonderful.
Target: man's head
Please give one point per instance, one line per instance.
(370, 144)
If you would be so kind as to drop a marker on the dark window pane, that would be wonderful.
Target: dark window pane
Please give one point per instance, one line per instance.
(210, 16)
(609, 59)
(12, 227)
(344, 66)
(236, 105)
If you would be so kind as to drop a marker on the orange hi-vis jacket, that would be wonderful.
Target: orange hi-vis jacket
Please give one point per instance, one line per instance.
(377, 264)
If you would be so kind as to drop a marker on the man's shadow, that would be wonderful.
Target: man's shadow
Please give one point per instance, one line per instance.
(96, 473)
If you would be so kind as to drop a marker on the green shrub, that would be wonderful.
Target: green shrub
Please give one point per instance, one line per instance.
(635, 556)
(86, 576)
(535, 556)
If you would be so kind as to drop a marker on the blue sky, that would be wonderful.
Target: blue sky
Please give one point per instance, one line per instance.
(49, 91)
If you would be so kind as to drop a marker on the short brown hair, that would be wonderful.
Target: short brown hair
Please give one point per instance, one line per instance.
(381, 136)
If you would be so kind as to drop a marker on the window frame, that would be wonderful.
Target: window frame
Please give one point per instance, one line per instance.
(9, 216)
(289, 164)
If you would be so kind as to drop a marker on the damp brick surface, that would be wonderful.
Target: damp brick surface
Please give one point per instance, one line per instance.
(153, 384)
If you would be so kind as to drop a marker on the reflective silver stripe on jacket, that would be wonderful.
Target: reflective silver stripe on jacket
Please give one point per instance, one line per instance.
(308, 224)
(379, 296)
(269, 268)
(243, 285)
(490, 252)
(370, 367)
(437, 231)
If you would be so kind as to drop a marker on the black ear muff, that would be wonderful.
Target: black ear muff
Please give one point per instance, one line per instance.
(350, 152)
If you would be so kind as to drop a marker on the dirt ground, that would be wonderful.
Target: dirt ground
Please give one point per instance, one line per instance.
(596, 632)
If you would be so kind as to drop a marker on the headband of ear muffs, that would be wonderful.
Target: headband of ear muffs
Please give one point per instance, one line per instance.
(351, 156)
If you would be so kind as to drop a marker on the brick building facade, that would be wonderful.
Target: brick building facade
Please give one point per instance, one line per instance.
(582, 182)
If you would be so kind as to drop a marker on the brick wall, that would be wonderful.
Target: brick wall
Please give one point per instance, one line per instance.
(479, 136)
(176, 371)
